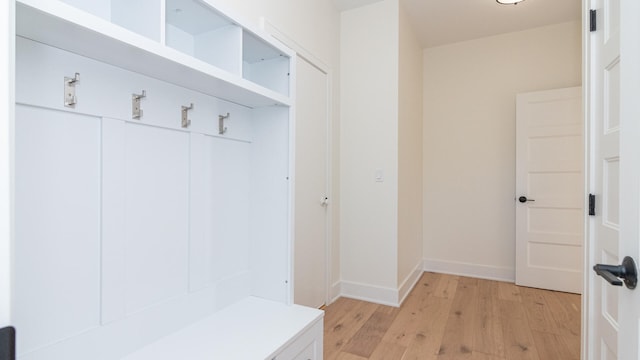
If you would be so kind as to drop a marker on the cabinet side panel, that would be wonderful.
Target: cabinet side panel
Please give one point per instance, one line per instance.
(270, 251)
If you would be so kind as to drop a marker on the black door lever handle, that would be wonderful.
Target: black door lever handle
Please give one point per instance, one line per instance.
(613, 273)
(523, 199)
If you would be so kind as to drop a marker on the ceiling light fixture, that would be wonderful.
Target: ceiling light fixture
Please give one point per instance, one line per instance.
(509, 2)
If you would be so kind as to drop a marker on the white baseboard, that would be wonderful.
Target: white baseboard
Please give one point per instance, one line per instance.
(371, 293)
(409, 282)
(378, 294)
(335, 292)
(395, 297)
(471, 270)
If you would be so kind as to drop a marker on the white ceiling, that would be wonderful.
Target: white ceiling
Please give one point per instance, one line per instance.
(439, 22)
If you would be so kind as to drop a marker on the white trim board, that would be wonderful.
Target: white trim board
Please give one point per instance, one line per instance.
(395, 297)
(335, 292)
(471, 270)
(410, 282)
(371, 293)
(378, 294)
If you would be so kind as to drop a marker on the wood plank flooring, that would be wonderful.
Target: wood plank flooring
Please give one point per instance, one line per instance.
(451, 317)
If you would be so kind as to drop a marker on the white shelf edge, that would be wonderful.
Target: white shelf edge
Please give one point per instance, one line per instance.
(47, 21)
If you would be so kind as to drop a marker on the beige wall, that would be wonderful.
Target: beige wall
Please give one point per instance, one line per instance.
(469, 141)
(381, 129)
(369, 141)
(409, 153)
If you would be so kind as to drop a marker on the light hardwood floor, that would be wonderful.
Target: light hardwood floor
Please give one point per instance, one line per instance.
(451, 317)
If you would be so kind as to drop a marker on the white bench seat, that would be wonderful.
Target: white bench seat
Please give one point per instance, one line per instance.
(250, 329)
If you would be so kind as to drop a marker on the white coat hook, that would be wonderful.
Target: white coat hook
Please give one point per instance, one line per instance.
(136, 111)
(185, 115)
(221, 128)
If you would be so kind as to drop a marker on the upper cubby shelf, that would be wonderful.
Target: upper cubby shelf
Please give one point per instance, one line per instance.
(187, 43)
(194, 28)
(264, 65)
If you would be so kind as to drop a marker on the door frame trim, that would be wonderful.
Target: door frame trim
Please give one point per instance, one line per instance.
(588, 114)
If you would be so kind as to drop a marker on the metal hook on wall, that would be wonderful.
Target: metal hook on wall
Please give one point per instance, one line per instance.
(70, 99)
(221, 128)
(136, 111)
(185, 113)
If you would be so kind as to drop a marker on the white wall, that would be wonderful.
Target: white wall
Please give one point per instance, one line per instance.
(6, 114)
(369, 141)
(469, 141)
(409, 154)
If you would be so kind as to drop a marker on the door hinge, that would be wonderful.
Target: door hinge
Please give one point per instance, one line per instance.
(592, 205)
(592, 20)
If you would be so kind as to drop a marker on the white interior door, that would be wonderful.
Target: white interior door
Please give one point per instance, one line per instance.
(549, 190)
(612, 315)
(310, 259)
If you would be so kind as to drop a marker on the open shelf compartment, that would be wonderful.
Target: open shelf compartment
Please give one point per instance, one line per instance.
(196, 29)
(139, 16)
(264, 64)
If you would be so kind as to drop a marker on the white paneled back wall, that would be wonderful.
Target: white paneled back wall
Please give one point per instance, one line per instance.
(127, 229)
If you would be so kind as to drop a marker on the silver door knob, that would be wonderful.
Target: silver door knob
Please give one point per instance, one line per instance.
(324, 201)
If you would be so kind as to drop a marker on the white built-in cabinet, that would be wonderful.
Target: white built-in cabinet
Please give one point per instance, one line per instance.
(153, 190)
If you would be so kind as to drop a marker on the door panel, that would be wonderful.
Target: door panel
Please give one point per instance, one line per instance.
(605, 160)
(310, 261)
(549, 168)
(614, 84)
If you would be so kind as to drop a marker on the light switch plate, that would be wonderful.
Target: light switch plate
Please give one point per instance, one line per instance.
(379, 175)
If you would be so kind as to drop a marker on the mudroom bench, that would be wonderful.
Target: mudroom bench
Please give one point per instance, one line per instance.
(250, 329)
(154, 147)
